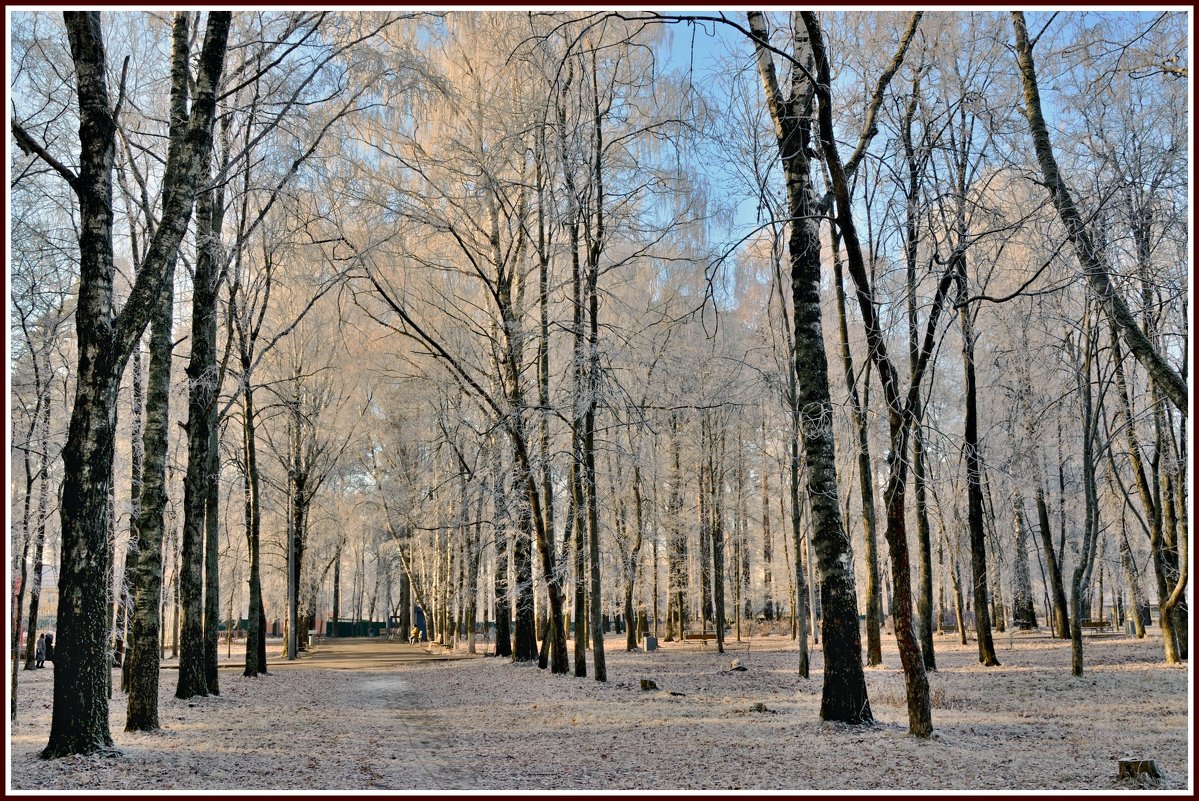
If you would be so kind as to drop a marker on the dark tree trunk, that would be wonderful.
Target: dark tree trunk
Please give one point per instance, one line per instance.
(82, 669)
(844, 694)
(1061, 617)
(578, 504)
(900, 409)
(19, 599)
(1080, 585)
(631, 567)
(337, 594)
(203, 378)
(874, 642)
(705, 549)
(525, 640)
(142, 711)
(137, 452)
(503, 612)
(201, 400)
(39, 544)
(212, 552)
(769, 602)
(714, 489)
(598, 664)
(255, 636)
(924, 595)
(974, 492)
(676, 556)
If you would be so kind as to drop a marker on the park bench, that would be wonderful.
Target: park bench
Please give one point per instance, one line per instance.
(702, 636)
(314, 636)
(1095, 626)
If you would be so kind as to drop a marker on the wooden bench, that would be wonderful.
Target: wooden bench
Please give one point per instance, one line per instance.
(702, 636)
(1095, 626)
(314, 636)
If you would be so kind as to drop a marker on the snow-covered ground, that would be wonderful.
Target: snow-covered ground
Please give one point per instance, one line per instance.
(488, 724)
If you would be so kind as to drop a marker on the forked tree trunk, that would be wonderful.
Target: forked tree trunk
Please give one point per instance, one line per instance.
(82, 669)
(844, 694)
(899, 408)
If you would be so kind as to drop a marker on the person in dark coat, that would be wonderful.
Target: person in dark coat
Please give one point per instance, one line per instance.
(49, 646)
(418, 620)
(39, 653)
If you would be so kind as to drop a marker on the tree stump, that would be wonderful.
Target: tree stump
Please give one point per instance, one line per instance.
(1132, 768)
(648, 684)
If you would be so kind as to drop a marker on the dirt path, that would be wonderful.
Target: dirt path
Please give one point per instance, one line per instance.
(349, 715)
(363, 653)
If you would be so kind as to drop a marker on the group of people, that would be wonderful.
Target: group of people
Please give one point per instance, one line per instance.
(44, 649)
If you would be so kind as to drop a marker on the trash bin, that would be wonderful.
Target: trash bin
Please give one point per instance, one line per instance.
(651, 642)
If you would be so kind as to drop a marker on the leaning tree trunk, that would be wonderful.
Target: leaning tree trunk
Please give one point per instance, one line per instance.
(1089, 255)
(874, 642)
(899, 408)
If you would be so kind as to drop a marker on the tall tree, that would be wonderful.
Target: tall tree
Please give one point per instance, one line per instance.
(900, 408)
(844, 696)
(79, 722)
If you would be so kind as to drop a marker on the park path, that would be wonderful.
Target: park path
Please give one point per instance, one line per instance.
(363, 653)
(405, 743)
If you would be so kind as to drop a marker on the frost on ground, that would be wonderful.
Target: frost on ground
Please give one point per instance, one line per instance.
(488, 724)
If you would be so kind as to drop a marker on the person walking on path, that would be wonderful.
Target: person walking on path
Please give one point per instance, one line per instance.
(49, 646)
(39, 654)
(418, 619)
